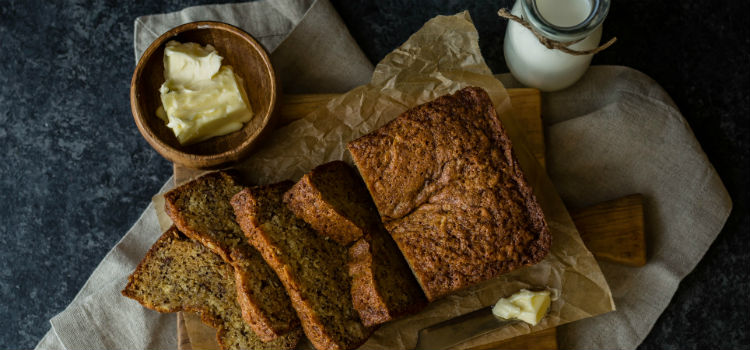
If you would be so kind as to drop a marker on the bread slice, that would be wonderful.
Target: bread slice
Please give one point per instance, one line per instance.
(383, 286)
(312, 269)
(178, 274)
(451, 193)
(201, 210)
(333, 199)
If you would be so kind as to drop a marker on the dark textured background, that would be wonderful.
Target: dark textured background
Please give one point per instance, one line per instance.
(75, 174)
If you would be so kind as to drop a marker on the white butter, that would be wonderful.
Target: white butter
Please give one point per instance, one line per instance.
(525, 305)
(200, 97)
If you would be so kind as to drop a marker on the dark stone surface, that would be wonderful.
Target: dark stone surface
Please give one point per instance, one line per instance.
(75, 174)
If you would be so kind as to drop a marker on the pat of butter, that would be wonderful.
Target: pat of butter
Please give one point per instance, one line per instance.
(525, 305)
(200, 97)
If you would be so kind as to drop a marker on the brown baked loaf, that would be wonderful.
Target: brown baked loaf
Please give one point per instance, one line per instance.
(178, 274)
(312, 269)
(451, 193)
(201, 210)
(333, 199)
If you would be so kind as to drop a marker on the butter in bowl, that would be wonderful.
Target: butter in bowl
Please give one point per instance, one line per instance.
(203, 94)
(201, 98)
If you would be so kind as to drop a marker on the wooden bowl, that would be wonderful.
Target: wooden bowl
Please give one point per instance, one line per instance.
(249, 60)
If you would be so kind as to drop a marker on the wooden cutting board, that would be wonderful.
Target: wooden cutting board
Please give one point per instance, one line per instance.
(612, 230)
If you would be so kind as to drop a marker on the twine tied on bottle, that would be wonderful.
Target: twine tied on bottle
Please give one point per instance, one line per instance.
(554, 44)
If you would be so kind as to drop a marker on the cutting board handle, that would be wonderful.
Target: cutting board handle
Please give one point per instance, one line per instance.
(614, 230)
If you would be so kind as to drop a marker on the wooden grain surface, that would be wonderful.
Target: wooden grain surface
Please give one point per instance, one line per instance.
(606, 241)
(614, 230)
(543, 340)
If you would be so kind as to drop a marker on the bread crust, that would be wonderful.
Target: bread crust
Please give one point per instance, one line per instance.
(201, 210)
(383, 287)
(154, 273)
(210, 222)
(299, 256)
(451, 193)
(333, 199)
(308, 202)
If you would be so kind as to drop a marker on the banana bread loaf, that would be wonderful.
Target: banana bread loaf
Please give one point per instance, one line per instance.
(202, 211)
(178, 274)
(312, 269)
(451, 193)
(333, 199)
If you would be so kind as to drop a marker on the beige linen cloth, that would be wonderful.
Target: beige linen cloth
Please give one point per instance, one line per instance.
(614, 133)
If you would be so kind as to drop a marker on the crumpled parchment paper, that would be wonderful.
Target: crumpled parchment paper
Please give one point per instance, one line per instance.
(442, 57)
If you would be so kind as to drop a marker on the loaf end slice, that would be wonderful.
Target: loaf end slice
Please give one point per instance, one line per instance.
(201, 209)
(178, 274)
(312, 269)
(451, 193)
(333, 200)
(383, 286)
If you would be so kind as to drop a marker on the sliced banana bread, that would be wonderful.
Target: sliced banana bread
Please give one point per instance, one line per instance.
(451, 193)
(383, 286)
(333, 199)
(312, 269)
(201, 210)
(178, 274)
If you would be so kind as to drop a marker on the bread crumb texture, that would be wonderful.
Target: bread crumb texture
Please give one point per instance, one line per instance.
(202, 210)
(178, 274)
(333, 199)
(312, 268)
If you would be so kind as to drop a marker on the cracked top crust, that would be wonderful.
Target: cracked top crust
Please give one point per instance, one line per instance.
(451, 193)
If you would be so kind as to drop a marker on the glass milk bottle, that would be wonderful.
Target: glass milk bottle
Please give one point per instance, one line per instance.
(535, 65)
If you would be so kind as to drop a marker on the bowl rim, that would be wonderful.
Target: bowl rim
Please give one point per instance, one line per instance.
(201, 160)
